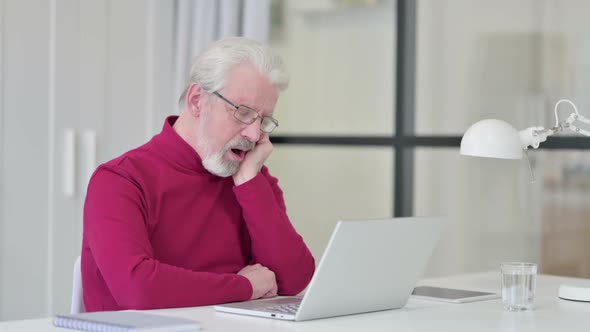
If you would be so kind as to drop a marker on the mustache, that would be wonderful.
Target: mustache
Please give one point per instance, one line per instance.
(242, 144)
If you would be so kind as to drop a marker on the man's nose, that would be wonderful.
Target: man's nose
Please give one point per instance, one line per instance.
(252, 131)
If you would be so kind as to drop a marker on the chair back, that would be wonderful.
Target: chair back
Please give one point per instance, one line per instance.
(77, 294)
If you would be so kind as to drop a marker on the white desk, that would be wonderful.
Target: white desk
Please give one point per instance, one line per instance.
(550, 314)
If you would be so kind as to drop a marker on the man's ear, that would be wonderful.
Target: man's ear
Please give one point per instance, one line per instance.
(193, 99)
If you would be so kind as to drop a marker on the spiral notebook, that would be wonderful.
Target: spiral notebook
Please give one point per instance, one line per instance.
(124, 321)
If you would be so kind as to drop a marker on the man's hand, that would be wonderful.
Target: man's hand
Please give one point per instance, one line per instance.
(254, 160)
(262, 279)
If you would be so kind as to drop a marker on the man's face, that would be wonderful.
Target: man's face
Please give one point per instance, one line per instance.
(222, 141)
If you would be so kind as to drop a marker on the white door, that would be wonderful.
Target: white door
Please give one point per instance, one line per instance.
(82, 82)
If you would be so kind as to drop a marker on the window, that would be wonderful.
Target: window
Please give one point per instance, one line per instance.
(406, 104)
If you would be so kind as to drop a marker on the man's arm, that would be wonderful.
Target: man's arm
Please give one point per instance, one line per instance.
(275, 243)
(115, 227)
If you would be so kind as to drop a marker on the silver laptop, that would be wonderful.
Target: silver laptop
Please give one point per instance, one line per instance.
(368, 265)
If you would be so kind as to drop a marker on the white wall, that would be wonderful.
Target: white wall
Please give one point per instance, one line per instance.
(1, 127)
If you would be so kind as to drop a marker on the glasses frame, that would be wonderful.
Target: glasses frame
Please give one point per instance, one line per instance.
(258, 116)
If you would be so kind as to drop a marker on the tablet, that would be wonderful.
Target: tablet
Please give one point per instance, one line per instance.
(451, 295)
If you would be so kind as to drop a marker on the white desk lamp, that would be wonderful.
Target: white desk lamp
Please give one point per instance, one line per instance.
(497, 139)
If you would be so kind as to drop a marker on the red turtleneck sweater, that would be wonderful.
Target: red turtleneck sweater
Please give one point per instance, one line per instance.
(160, 231)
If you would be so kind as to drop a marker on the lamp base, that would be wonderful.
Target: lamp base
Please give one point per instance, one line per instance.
(574, 293)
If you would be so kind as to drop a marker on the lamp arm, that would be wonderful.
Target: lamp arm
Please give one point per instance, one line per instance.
(557, 106)
(569, 124)
(533, 136)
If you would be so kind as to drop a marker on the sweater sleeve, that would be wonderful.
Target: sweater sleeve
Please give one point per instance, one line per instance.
(275, 243)
(115, 227)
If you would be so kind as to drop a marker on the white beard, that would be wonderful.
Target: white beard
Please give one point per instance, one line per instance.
(215, 164)
(214, 161)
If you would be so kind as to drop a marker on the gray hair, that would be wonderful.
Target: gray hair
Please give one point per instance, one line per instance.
(211, 66)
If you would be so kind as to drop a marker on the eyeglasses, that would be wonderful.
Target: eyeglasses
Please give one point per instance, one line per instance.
(248, 115)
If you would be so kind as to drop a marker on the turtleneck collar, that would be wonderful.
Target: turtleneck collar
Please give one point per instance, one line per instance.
(176, 149)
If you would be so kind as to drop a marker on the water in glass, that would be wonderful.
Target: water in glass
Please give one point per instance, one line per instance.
(518, 287)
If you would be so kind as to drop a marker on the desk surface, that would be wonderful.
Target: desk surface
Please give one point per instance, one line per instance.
(550, 314)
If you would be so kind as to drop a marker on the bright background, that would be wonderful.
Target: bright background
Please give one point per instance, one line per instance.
(105, 71)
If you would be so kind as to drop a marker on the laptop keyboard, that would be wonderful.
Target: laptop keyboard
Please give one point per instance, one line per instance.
(290, 308)
(283, 306)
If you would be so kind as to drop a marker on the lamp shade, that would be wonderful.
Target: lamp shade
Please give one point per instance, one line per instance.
(492, 138)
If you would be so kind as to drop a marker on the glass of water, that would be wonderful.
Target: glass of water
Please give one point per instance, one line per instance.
(518, 285)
